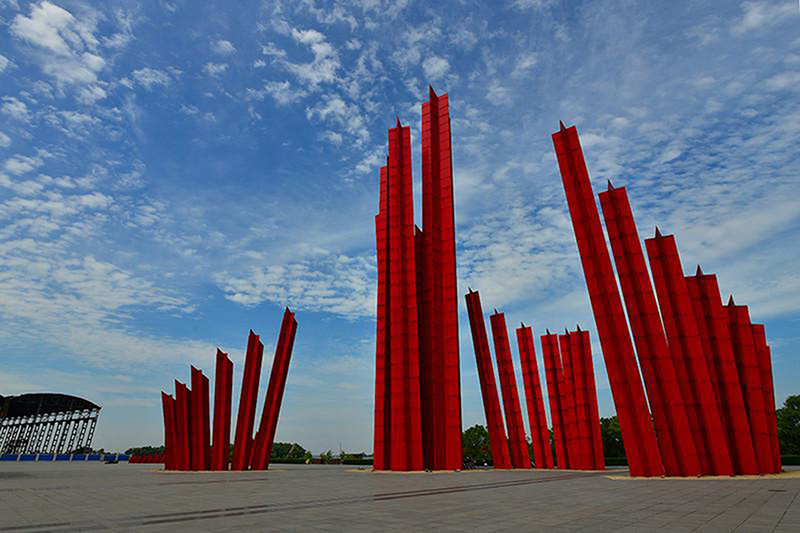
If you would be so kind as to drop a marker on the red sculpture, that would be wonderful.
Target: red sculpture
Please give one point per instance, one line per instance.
(520, 458)
(187, 433)
(417, 377)
(491, 403)
(638, 435)
(540, 436)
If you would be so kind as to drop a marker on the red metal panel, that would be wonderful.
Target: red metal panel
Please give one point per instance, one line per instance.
(168, 408)
(638, 434)
(687, 351)
(584, 373)
(540, 436)
(223, 389)
(744, 351)
(508, 382)
(712, 324)
(247, 403)
(491, 402)
(183, 427)
(551, 355)
(438, 298)
(764, 358)
(277, 383)
(669, 413)
(574, 372)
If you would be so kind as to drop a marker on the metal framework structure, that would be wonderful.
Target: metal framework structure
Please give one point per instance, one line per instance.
(46, 423)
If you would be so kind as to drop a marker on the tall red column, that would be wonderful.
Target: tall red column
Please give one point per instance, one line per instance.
(508, 382)
(223, 390)
(383, 389)
(764, 358)
(573, 364)
(712, 324)
(687, 352)
(669, 413)
(247, 403)
(183, 427)
(638, 434)
(491, 403)
(201, 452)
(551, 355)
(438, 292)
(586, 401)
(277, 384)
(744, 351)
(576, 454)
(406, 421)
(168, 408)
(540, 436)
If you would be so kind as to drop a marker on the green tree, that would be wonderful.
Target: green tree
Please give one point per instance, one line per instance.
(612, 437)
(475, 442)
(289, 450)
(789, 426)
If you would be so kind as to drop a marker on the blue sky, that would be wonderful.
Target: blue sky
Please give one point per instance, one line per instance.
(173, 173)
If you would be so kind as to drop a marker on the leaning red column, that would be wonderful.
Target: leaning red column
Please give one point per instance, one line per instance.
(551, 355)
(764, 359)
(277, 382)
(183, 427)
(537, 420)
(658, 371)
(247, 403)
(200, 453)
(587, 411)
(744, 351)
(687, 351)
(566, 389)
(491, 403)
(223, 390)
(508, 382)
(712, 324)
(638, 434)
(382, 420)
(168, 408)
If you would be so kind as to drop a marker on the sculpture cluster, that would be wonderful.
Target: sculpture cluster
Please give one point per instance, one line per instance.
(571, 390)
(707, 369)
(417, 377)
(149, 458)
(188, 436)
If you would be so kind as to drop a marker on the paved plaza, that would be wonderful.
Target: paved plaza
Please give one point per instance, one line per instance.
(122, 497)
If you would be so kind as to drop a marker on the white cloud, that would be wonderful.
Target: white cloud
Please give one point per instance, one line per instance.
(259, 63)
(325, 64)
(5, 140)
(524, 65)
(66, 47)
(215, 69)
(15, 108)
(531, 4)
(332, 108)
(435, 67)
(149, 77)
(91, 94)
(4, 63)
(764, 15)
(281, 91)
(20, 164)
(332, 137)
(223, 47)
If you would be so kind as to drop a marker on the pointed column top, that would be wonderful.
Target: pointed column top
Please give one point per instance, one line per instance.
(699, 271)
(730, 300)
(658, 233)
(610, 186)
(561, 125)
(431, 93)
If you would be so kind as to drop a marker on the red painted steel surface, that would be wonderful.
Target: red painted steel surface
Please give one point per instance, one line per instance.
(223, 390)
(382, 421)
(744, 351)
(763, 356)
(491, 402)
(712, 324)
(669, 413)
(551, 355)
(638, 434)
(566, 389)
(168, 408)
(687, 352)
(277, 382)
(537, 419)
(520, 457)
(183, 427)
(247, 403)
(586, 409)
(437, 291)
(200, 452)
